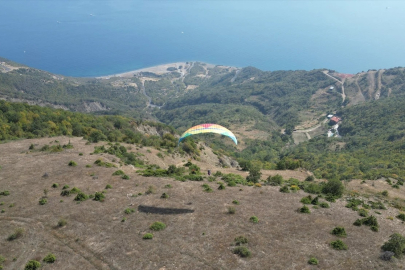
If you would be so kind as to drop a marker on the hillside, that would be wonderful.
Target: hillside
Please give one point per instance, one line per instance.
(199, 232)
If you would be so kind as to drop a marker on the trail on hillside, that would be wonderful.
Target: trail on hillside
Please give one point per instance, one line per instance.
(341, 82)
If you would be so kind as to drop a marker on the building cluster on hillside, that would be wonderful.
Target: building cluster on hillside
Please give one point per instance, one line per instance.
(334, 121)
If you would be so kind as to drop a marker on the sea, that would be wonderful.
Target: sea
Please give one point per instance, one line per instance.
(88, 38)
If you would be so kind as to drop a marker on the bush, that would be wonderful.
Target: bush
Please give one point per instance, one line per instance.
(55, 185)
(240, 240)
(370, 221)
(313, 188)
(254, 219)
(315, 201)
(81, 197)
(62, 222)
(43, 201)
(147, 236)
(18, 232)
(164, 196)
(313, 261)
(108, 186)
(207, 188)
(99, 196)
(285, 189)
(276, 180)
(385, 193)
(235, 202)
(310, 178)
(339, 231)
(65, 193)
(231, 210)
(119, 172)
(242, 251)
(304, 210)
(72, 163)
(338, 245)
(75, 190)
(333, 187)
(129, 211)
(50, 258)
(157, 226)
(65, 187)
(32, 265)
(363, 212)
(306, 200)
(221, 186)
(395, 244)
(125, 177)
(5, 193)
(168, 186)
(401, 216)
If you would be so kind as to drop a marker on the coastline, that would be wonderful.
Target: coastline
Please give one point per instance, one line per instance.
(159, 69)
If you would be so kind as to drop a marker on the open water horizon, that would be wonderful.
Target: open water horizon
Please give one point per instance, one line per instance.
(87, 38)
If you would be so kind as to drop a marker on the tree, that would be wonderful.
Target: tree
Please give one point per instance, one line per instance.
(333, 187)
(254, 174)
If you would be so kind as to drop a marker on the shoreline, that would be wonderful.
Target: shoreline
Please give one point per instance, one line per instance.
(159, 69)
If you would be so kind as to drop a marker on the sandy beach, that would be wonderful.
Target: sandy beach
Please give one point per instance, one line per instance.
(160, 69)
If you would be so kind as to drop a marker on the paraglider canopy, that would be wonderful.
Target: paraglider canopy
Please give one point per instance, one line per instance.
(208, 128)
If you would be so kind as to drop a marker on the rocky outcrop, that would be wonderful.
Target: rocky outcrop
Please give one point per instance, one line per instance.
(92, 107)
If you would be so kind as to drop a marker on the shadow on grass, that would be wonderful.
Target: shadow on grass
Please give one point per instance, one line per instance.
(163, 211)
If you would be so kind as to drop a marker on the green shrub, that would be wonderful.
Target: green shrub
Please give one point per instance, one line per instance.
(50, 258)
(108, 186)
(168, 186)
(125, 177)
(304, 210)
(377, 205)
(65, 187)
(119, 172)
(75, 190)
(313, 261)
(231, 210)
(32, 265)
(72, 163)
(241, 251)
(358, 222)
(306, 200)
(315, 201)
(334, 188)
(254, 219)
(235, 202)
(99, 196)
(62, 222)
(65, 193)
(18, 233)
(370, 221)
(395, 244)
(164, 196)
(88, 166)
(129, 211)
(147, 236)
(310, 178)
(221, 186)
(385, 193)
(80, 154)
(285, 189)
(207, 188)
(5, 193)
(276, 180)
(339, 231)
(363, 212)
(240, 240)
(55, 185)
(43, 201)
(338, 245)
(312, 188)
(81, 197)
(401, 216)
(157, 226)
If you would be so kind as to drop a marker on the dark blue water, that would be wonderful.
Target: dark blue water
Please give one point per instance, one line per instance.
(62, 37)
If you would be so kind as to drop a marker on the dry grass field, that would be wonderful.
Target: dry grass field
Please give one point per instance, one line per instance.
(199, 232)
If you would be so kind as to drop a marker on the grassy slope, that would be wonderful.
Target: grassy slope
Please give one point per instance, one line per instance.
(199, 233)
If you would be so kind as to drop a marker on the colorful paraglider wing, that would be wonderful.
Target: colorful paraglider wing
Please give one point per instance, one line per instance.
(208, 128)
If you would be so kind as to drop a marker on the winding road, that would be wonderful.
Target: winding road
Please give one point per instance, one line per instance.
(341, 82)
